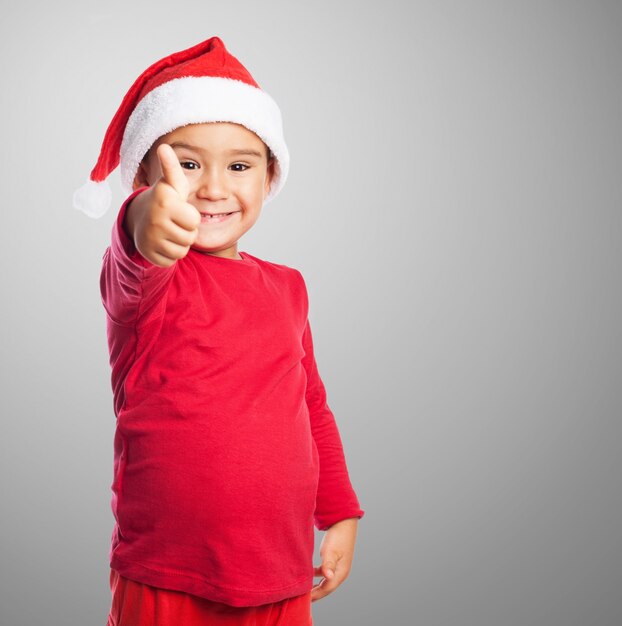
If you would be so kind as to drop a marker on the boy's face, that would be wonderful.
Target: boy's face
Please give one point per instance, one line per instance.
(228, 171)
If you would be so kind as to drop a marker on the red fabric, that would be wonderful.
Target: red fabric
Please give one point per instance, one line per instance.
(136, 604)
(226, 452)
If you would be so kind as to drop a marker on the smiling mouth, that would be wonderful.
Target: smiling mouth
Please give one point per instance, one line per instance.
(215, 217)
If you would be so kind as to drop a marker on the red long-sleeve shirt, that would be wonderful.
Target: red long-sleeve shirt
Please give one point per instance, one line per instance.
(226, 451)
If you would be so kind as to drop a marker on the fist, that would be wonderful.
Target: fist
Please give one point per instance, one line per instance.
(162, 222)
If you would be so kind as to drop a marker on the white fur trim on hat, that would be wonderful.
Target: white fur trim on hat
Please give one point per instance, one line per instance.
(194, 100)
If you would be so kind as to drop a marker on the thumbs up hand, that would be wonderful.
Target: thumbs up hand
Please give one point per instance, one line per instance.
(162, 223)
(172, 173)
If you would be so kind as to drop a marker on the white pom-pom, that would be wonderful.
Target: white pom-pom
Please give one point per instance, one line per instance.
(93, 199)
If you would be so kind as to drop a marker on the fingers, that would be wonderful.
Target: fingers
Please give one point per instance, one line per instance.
(334, 573)
(163, 242)
(327, 569)
(187, 217)
(180, 236)
(172, 173)
(167, 252)
(161, 260)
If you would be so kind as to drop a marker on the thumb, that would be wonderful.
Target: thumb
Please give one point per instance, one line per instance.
(328, 569)
(172, 174)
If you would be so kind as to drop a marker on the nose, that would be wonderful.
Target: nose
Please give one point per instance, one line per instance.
(212, 185)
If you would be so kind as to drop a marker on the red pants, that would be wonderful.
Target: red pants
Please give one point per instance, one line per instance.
(136, 604)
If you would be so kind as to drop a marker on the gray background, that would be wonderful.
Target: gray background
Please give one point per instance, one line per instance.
(454, 205)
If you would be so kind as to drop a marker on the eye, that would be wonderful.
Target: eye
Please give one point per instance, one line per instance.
(189, 165)
(239, 167)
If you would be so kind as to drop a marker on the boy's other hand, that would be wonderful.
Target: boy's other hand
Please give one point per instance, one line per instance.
(337, 552)
(162, 223)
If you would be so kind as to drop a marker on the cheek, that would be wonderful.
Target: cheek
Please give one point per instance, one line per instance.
(262, 184)
(251, 190)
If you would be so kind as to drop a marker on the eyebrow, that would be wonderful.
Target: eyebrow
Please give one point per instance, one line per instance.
(232, 152)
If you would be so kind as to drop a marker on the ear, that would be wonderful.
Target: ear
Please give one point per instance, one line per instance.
(269, 175)
(141, 179)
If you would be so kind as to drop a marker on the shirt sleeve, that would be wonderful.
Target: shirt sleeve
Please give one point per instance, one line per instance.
(131, 286)
(336, 499)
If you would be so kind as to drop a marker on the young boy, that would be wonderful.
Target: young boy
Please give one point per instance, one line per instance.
(226, 452)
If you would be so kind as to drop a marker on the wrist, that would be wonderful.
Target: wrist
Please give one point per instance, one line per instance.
(133, 211)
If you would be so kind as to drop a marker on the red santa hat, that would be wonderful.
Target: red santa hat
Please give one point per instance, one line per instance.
(204, 83)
